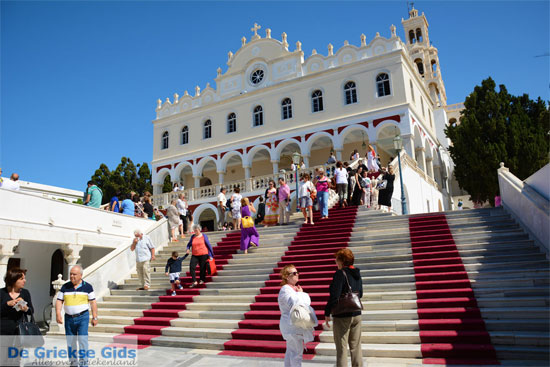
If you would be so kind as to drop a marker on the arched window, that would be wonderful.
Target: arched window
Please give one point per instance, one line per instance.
(164, 141)
(412, 91)
(350, 92)
(231, 123)
(412, 38)
(185, 135)
(418, 35)
(383, 85)
(207, 129)
(286, 109)
(258, 116)
(317, 101)
(420, 66)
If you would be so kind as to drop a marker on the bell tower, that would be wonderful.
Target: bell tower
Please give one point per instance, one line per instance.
(424, 55)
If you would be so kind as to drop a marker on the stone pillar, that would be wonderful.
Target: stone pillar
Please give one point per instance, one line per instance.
(7, 250)
(157, 189)
(247, 172)
(338, 153)
(437, 175)
(421, 158)
(408, 146)
(429, 167)
(197, 181)
(306, 160)
(56, 328)
(275, 167)
(71, 253)
(221, 177)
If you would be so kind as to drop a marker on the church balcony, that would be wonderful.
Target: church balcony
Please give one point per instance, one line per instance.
(249, 187)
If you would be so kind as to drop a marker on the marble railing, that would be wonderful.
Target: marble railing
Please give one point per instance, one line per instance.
(248, 185)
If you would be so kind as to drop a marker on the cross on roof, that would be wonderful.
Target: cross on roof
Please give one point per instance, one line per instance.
(255, 29)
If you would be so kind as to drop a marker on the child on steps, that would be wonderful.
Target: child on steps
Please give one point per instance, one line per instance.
(173, 269)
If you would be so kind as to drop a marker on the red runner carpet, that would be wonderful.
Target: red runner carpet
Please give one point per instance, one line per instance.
(452, 330)
(167, 308)
(312, 252)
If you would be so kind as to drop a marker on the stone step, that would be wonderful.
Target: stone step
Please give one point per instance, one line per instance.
(376, 350)
(206, 306)
(120, 312)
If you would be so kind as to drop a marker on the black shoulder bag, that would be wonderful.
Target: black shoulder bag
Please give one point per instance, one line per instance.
(28, 333)
(348, 302)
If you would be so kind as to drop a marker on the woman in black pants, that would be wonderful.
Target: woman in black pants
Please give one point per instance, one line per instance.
(347, 326)
(12, 296)
(201, 250)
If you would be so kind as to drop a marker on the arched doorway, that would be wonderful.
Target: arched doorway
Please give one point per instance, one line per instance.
(58, 266)
(207, 220)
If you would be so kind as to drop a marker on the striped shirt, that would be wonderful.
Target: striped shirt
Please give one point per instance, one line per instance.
(76, 299)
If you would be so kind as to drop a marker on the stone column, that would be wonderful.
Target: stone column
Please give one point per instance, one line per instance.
(197, 181)
(338, 153)
(429, 167)
(157, 189)
(275, 167)
(71, 253)
(421, 158)
(306, 160)
(408, 146)
(437, 175)
(221, 177)
(7, 250)
(247, 178)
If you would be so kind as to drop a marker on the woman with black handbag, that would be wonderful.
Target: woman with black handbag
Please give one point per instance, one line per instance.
(344, 304)
(16, 304)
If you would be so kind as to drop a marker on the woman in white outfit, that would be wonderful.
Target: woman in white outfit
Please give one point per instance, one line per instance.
(292, 295)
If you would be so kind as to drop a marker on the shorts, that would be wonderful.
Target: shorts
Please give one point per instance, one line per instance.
(305, 201)
(174, 277)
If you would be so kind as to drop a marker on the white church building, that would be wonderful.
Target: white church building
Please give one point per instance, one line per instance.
(273, 101)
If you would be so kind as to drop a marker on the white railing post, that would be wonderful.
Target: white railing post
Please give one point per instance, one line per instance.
(54, 326)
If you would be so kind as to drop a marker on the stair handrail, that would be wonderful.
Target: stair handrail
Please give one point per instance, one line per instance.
(114, 267)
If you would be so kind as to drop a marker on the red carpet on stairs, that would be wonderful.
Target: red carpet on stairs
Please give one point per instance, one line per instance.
(312, 252)
(167, 308)
(452, 330)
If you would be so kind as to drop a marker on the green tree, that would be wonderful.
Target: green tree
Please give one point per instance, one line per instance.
(124, 179)
(167, 185)
(497, 127)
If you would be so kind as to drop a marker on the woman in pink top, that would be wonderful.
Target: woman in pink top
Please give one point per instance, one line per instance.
(322, 186)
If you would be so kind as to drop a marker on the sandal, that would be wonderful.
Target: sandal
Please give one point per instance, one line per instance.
(194, 285)
(201, 282)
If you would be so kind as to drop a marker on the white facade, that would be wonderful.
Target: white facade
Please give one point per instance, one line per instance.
(390, 94)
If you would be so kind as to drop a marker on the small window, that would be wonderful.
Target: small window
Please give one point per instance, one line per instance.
(317, 101)
(207, 129)
(412, 91)
(231, 123)
(431, 120)
(258, 116)
(164, 142)
(350, 92)
(420, 66)
(383, 85)
(185, 135)
(286, 109)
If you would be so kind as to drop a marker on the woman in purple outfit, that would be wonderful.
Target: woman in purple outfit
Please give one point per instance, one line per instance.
(249, 236)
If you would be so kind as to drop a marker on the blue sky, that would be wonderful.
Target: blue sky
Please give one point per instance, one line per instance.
(79, 80)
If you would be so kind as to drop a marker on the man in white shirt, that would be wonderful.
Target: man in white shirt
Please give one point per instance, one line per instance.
(12, 183)
(341, 182)
(222, 200)
(145, 252)
(182, 206)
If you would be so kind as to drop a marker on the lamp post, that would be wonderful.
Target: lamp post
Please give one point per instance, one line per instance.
(398, 145)
(296, 160)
